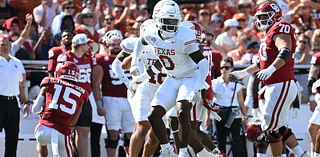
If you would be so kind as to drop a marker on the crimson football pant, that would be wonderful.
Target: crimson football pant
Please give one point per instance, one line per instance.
(9, 121)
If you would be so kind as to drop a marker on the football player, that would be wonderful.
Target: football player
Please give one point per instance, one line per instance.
(187, 68)
(276, 71)
(314, 126)
(114, 93)
(62, 100)
(66, 41)
(81, 56)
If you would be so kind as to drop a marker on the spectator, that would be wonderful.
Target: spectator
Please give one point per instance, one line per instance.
(121, 13)
(238, 53)
(44, 14)
(15, 46)
(13, 24)
(109, 25)
(303, 57)
(242, 20)
(315, 42)
(302, 17)
(6, 11)
(68, 8)
(217, 22)
(204, 21)
(226, 10)
(228, 96)
(14, 27)
(134, 31)
(226, 40)
(11, 87)
(43, 46)
(67, 24)
(245, 6)
(87, 19)
(143, 11)
(252, 49)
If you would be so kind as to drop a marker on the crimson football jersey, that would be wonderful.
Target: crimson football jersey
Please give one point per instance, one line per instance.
(111, 84)
(85, 66)
(316, 60)
(269, 52)
(215, 67)
(62, 101)
(53, 55)
(207, 52)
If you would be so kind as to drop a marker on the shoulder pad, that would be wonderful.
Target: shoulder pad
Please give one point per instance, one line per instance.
(46, 81)
(62, 58)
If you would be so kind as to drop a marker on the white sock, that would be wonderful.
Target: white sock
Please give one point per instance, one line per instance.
(261, 155)
(283, 155)
(183, 150)
(203, 152)
(315, 154)
(297, 150)
(311, 154)
(165, 146)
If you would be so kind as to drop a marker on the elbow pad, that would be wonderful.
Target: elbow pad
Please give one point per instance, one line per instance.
(37, 105)
(118, 71)
(284, 54)
(202, 74)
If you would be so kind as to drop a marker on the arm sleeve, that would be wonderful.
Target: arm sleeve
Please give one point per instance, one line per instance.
(137, 52)
(118, 71)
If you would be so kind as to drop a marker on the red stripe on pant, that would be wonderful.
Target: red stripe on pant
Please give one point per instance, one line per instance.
(284, 100)
(277, 104)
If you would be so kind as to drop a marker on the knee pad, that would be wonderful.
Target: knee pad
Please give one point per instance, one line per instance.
(261, 145)
(111, 143)
(126, 141)
(273, 137)
(285, 133)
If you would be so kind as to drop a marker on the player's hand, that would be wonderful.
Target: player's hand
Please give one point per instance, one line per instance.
(195, 96)
(295, 113)
(100, 108)
(237, 75)
(135, 70)
(26, 110)
(255, 113)
(266, 73)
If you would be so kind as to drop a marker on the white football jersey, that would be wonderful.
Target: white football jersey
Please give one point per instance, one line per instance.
(174, 53)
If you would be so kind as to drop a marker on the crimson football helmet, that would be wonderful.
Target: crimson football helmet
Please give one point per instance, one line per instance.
(267, 14)
(67, 71)
(254, 131)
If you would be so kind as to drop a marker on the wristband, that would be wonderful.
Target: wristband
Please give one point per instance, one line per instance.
(155, 70)
(311, 98)
(245, 117)
(99, 104)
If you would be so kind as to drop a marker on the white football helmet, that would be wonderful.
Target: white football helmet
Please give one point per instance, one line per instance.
(112, 35)
(157, 8)
(168, 20)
